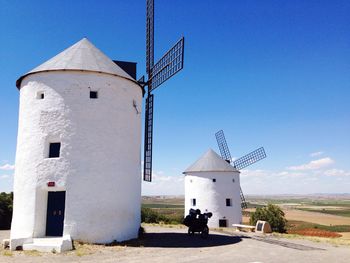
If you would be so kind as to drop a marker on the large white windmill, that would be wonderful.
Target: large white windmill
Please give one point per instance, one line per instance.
(78, 163)
(78, 152)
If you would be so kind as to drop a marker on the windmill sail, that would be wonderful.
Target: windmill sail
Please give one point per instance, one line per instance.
(171, 63)
(147, 162)
(243, 202)
(165, 68)
(149, 35)
(250, 158)
(223, 147)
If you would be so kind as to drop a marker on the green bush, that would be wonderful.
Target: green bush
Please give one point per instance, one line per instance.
(148, 215)
(6, 201)
(272, 214)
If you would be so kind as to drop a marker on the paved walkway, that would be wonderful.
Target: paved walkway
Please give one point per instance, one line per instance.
(170, 245)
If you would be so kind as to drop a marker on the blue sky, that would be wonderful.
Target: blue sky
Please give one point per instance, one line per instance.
(270, 73)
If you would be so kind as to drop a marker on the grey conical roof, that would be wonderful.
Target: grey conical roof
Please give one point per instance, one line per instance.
(82, 56)
(210, 162)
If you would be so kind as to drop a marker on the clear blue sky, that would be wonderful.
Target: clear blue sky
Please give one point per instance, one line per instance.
(270, 73)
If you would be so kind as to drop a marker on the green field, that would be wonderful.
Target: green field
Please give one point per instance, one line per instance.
(167, 210)
(164, 206)
(301, 201)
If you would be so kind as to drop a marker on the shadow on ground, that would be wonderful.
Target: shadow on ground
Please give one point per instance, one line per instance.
(182, 240)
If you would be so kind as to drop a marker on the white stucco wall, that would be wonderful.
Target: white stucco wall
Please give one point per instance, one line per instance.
(211, 196)
(99, 166)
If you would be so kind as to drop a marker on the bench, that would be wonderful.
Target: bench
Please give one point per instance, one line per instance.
(239, 227)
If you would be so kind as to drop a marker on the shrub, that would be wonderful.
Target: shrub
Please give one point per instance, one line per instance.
(6, 201)
(272, 214)
(149, 215)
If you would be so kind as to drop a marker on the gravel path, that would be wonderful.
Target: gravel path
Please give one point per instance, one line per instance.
(161, 244)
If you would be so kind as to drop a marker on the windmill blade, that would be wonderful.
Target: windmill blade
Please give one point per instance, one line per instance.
(249, 159)
(147, 161)
(243, 201)
(171, 63)
(224, 151)
(149, 36)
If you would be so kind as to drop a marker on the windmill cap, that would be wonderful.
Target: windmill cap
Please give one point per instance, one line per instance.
(82, 56)
(210, 162)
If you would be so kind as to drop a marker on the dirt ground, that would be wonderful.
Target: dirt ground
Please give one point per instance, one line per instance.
(345, 235)
(164, 244)
(315, 217)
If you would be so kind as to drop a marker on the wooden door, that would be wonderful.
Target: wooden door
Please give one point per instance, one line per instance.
(55, 213)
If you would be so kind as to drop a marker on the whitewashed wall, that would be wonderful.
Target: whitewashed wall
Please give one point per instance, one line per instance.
(211, 196)
(99, 166)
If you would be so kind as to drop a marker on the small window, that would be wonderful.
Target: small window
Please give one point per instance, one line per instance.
(222, 223)
(228, 202)
(214, 180)
(93, 94)
(54, 151)
(193, 201)
(40, 95)
(233, 180)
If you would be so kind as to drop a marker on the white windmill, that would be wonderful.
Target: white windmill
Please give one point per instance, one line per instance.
(78, 146)
(78, 163)
(212, 184)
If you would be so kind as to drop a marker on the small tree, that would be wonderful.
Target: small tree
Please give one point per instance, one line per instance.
(149, 216)
(272, 214)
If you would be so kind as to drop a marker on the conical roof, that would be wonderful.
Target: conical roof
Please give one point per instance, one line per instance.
(210, 162)
(82, 56)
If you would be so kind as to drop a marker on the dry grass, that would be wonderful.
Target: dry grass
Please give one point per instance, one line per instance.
(315, 232)
(85, 249)
(333, 241)
(161, 224)
(7, 253)
(33, 253)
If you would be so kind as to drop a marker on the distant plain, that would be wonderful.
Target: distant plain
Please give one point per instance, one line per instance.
(319, 215)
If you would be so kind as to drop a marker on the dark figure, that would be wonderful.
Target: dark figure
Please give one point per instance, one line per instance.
(197, 222)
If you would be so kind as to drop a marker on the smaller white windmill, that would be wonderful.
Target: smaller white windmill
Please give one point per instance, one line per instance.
(240, 163)
(212, 185)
